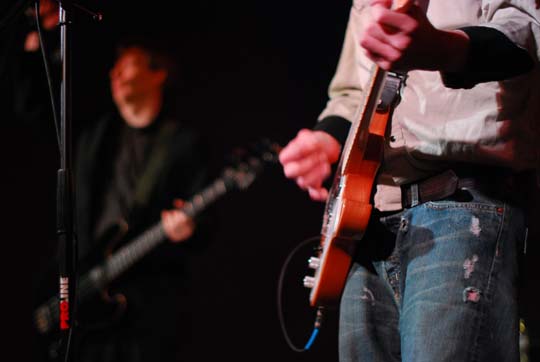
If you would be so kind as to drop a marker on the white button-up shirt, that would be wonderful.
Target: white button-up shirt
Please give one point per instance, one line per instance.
(494, 123)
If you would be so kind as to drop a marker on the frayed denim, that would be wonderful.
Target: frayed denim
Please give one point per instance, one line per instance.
(435, 283)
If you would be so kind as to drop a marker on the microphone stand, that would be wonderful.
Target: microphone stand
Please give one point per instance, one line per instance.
(67, 244)
(67, 241)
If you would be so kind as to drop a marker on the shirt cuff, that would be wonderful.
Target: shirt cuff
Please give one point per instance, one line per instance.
(336, 126)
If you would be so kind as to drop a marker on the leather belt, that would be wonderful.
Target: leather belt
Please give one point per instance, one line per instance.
(435, 188)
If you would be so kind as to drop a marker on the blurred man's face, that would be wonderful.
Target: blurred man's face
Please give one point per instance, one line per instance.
(132, 79)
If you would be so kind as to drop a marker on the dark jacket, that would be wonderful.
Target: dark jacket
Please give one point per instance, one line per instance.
(155, 286)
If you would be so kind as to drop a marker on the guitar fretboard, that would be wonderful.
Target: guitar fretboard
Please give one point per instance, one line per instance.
(128, 255)
(46, 315)
(101, 275)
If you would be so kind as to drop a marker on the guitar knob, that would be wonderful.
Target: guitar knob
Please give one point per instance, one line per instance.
(309, 282)
(314, 262)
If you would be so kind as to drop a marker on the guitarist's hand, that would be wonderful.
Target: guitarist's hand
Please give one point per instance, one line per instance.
(398, 40)
(177, 225)
(307, 159)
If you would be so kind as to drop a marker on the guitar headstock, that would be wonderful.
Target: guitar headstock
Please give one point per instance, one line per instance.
(244, 165)
(247, 163)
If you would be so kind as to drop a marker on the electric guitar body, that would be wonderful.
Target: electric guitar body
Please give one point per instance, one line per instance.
(348, 206)
(346, 217)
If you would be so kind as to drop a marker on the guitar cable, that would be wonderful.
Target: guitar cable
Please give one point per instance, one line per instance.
(319, 313)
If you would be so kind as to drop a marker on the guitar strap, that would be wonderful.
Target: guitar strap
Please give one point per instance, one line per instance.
(155, 164)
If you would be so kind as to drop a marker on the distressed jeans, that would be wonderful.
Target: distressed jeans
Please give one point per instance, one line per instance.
(435, 283)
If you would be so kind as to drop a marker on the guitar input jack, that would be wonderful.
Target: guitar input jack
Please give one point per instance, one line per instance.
(319, 316)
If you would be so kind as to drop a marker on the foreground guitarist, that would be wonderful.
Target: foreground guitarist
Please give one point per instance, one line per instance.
(434, 277)
(133, 167)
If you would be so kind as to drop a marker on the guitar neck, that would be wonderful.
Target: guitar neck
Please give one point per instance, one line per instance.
(359, 132)
(46, 315)
(129, 254)
(198, 203)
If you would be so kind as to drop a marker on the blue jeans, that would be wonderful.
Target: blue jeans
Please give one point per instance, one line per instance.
(435, 283)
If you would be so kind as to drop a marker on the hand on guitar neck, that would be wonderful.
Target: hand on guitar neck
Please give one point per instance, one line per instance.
(403, 39)
(307, 159)
(177, 225)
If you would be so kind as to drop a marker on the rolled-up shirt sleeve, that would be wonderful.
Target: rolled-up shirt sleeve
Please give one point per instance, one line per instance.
(518, 20)
(505, 45)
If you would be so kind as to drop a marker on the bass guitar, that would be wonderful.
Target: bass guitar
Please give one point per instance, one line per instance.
(348, 208)
(95, 281)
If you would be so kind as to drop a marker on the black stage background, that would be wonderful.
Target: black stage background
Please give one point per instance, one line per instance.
(255, 69)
